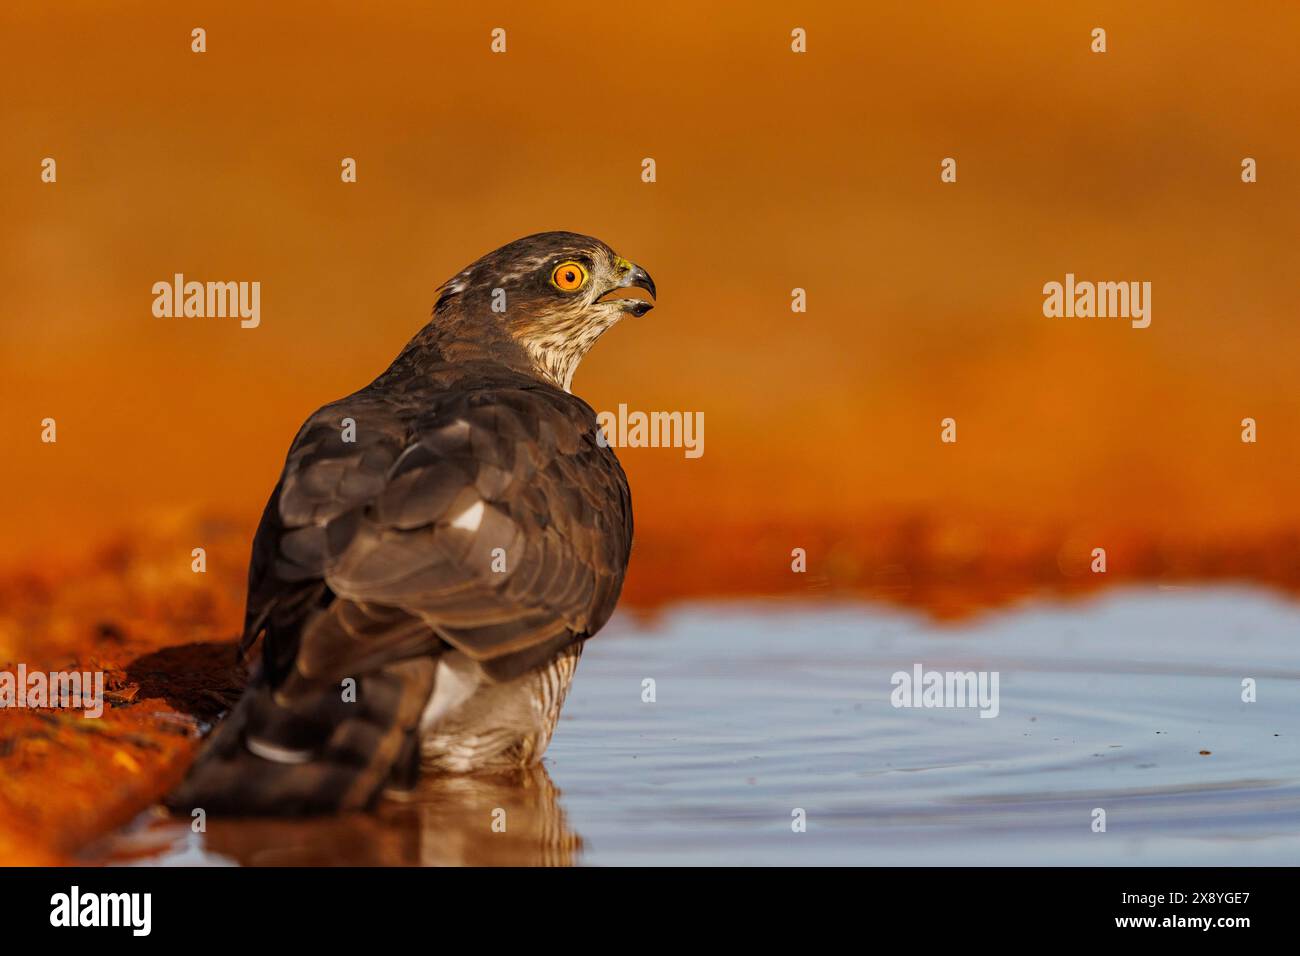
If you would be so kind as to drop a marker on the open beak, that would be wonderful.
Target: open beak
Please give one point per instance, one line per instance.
(637, 278)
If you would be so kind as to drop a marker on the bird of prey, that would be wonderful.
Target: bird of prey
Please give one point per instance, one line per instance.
(438, 547)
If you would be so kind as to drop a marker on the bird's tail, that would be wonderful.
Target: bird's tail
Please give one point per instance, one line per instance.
(333, 748)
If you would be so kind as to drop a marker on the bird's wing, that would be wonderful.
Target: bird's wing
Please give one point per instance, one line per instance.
(497, 521)
(490, 520)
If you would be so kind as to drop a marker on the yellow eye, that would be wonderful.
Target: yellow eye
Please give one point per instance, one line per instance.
(569, 277)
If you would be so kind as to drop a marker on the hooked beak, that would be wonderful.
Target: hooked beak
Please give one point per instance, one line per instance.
(636, 278)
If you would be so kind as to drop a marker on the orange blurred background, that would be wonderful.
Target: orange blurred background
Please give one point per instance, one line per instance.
(775, 171)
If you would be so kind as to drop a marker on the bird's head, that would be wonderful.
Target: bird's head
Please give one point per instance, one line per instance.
(553, 293)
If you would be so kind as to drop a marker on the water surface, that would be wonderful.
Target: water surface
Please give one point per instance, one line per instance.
(762, 709)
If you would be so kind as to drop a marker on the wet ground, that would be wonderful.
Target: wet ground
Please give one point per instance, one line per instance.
(1130, 703)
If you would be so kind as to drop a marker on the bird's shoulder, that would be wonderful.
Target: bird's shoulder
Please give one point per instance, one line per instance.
(491, 426)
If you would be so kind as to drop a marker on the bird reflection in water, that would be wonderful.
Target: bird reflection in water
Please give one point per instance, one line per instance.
(446, 821)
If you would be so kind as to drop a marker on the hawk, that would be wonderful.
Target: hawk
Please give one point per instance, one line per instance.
(438, 547)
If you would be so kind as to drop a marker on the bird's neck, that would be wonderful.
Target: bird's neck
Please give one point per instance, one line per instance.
(554, 365)
(556, 349)
(461, 340)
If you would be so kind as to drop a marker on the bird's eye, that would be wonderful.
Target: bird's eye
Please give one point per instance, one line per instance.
(569, 277)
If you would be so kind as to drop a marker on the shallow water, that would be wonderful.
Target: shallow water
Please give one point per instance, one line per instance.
(764, 708)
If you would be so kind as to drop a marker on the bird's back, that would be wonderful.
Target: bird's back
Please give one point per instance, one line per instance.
(438, 546)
